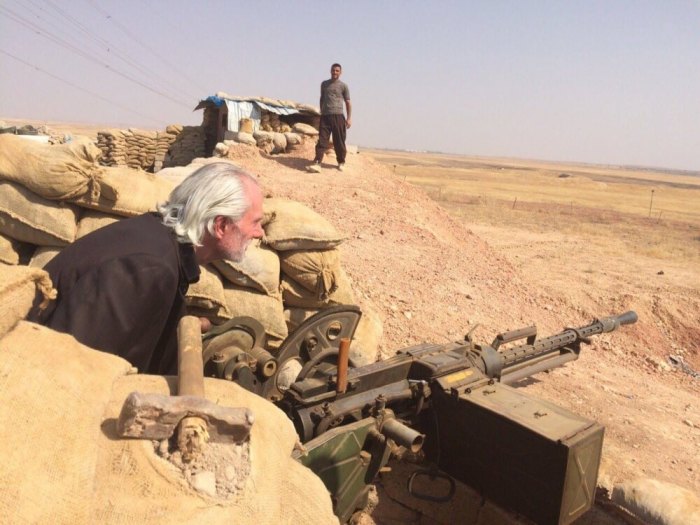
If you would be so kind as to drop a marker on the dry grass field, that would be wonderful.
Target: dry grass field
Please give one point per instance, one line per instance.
(582, 220)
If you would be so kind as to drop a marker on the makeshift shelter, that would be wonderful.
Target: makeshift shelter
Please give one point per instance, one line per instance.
(226, 115)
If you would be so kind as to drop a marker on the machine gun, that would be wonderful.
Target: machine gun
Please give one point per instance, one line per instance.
(525, 454)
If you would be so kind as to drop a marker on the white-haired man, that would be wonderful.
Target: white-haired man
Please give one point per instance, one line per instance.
(121, 289)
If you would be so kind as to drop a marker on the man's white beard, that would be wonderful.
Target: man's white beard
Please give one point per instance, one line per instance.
(237, 255)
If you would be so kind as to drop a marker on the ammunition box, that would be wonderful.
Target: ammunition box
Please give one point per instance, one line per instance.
(523, 453)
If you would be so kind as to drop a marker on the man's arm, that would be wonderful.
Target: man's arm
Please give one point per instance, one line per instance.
(348, 109)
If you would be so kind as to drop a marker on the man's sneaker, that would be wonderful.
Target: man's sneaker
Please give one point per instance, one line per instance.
(314, 168)
(341, 167)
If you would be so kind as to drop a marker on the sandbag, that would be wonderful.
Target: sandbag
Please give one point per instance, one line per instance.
(245, 138)
(304, 129)
(315, 270)
(280, 142)
(207, 295)
(92, 220)
(245, 125)
(294, 294)
(9, 250)
(364, 348)
(18, 288)
(58, 172)
(27, 217)
(266, 309)
(137, 192)
(294, 316)
(657, 502)
(259, 269)
(42, 256)
(64, 462)
(289, 225)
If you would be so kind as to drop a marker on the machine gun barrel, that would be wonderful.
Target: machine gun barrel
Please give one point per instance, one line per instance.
(525, 360)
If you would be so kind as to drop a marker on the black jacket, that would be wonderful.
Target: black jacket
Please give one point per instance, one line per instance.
(121, 289)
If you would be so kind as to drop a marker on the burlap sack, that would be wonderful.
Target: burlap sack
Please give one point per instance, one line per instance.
(137, 192)
(364, 348)
(315, 270)
(289, 225)
(245, 125)
(259, 270)
(294, 294)
(208, 293)
(9, 253)
(304, 129)
(42, 256)
(58, 172)
(266, 309)
(93, 220)
(294, 316)
(245, 138)
(64, 463)
(18, 287)
(27, 217)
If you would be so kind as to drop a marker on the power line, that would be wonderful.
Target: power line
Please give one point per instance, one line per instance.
(145, 46)
(46, 34)
(159, 122)
(111, 50)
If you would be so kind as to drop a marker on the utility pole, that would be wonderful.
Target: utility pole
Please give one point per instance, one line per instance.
(651, 200)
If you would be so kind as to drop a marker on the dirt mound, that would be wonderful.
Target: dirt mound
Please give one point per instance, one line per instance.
(431, 279)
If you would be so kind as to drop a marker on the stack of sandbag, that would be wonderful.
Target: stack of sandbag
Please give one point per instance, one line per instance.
(112, 143)
(39, 182)
(311, 275)
(141, 148)
(151, 150)
(64, 462)
(187, 146)
(297, 266)
(163, 142)
(47, 190)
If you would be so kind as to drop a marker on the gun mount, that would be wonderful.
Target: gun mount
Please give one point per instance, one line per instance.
(454, 401)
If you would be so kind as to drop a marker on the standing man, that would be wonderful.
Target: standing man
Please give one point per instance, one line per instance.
(334, 93)
(121, 289)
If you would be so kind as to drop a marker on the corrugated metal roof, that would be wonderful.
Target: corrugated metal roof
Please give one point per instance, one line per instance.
(280, 110)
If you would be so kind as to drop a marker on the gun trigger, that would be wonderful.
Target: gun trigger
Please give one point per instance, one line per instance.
(586, 340)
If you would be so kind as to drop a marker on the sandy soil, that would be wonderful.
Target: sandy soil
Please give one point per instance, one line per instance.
(432, 279)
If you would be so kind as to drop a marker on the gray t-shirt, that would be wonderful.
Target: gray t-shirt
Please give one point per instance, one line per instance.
(333, 96)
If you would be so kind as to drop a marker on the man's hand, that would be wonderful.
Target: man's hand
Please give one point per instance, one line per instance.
(205, 324)
(348, 123)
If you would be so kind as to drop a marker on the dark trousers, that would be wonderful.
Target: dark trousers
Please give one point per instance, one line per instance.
(331, 125)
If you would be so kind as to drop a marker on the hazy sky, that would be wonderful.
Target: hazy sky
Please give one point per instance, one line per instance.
(610, 81)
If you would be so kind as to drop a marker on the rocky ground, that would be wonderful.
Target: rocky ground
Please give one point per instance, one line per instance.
(432, 278)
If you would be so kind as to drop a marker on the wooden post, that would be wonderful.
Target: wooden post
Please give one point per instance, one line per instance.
(343, 358)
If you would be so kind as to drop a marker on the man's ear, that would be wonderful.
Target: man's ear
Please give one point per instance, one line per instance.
(220, 223)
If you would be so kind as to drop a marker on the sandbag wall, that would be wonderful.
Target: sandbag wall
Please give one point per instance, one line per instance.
(151, 150)
(281, 281)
